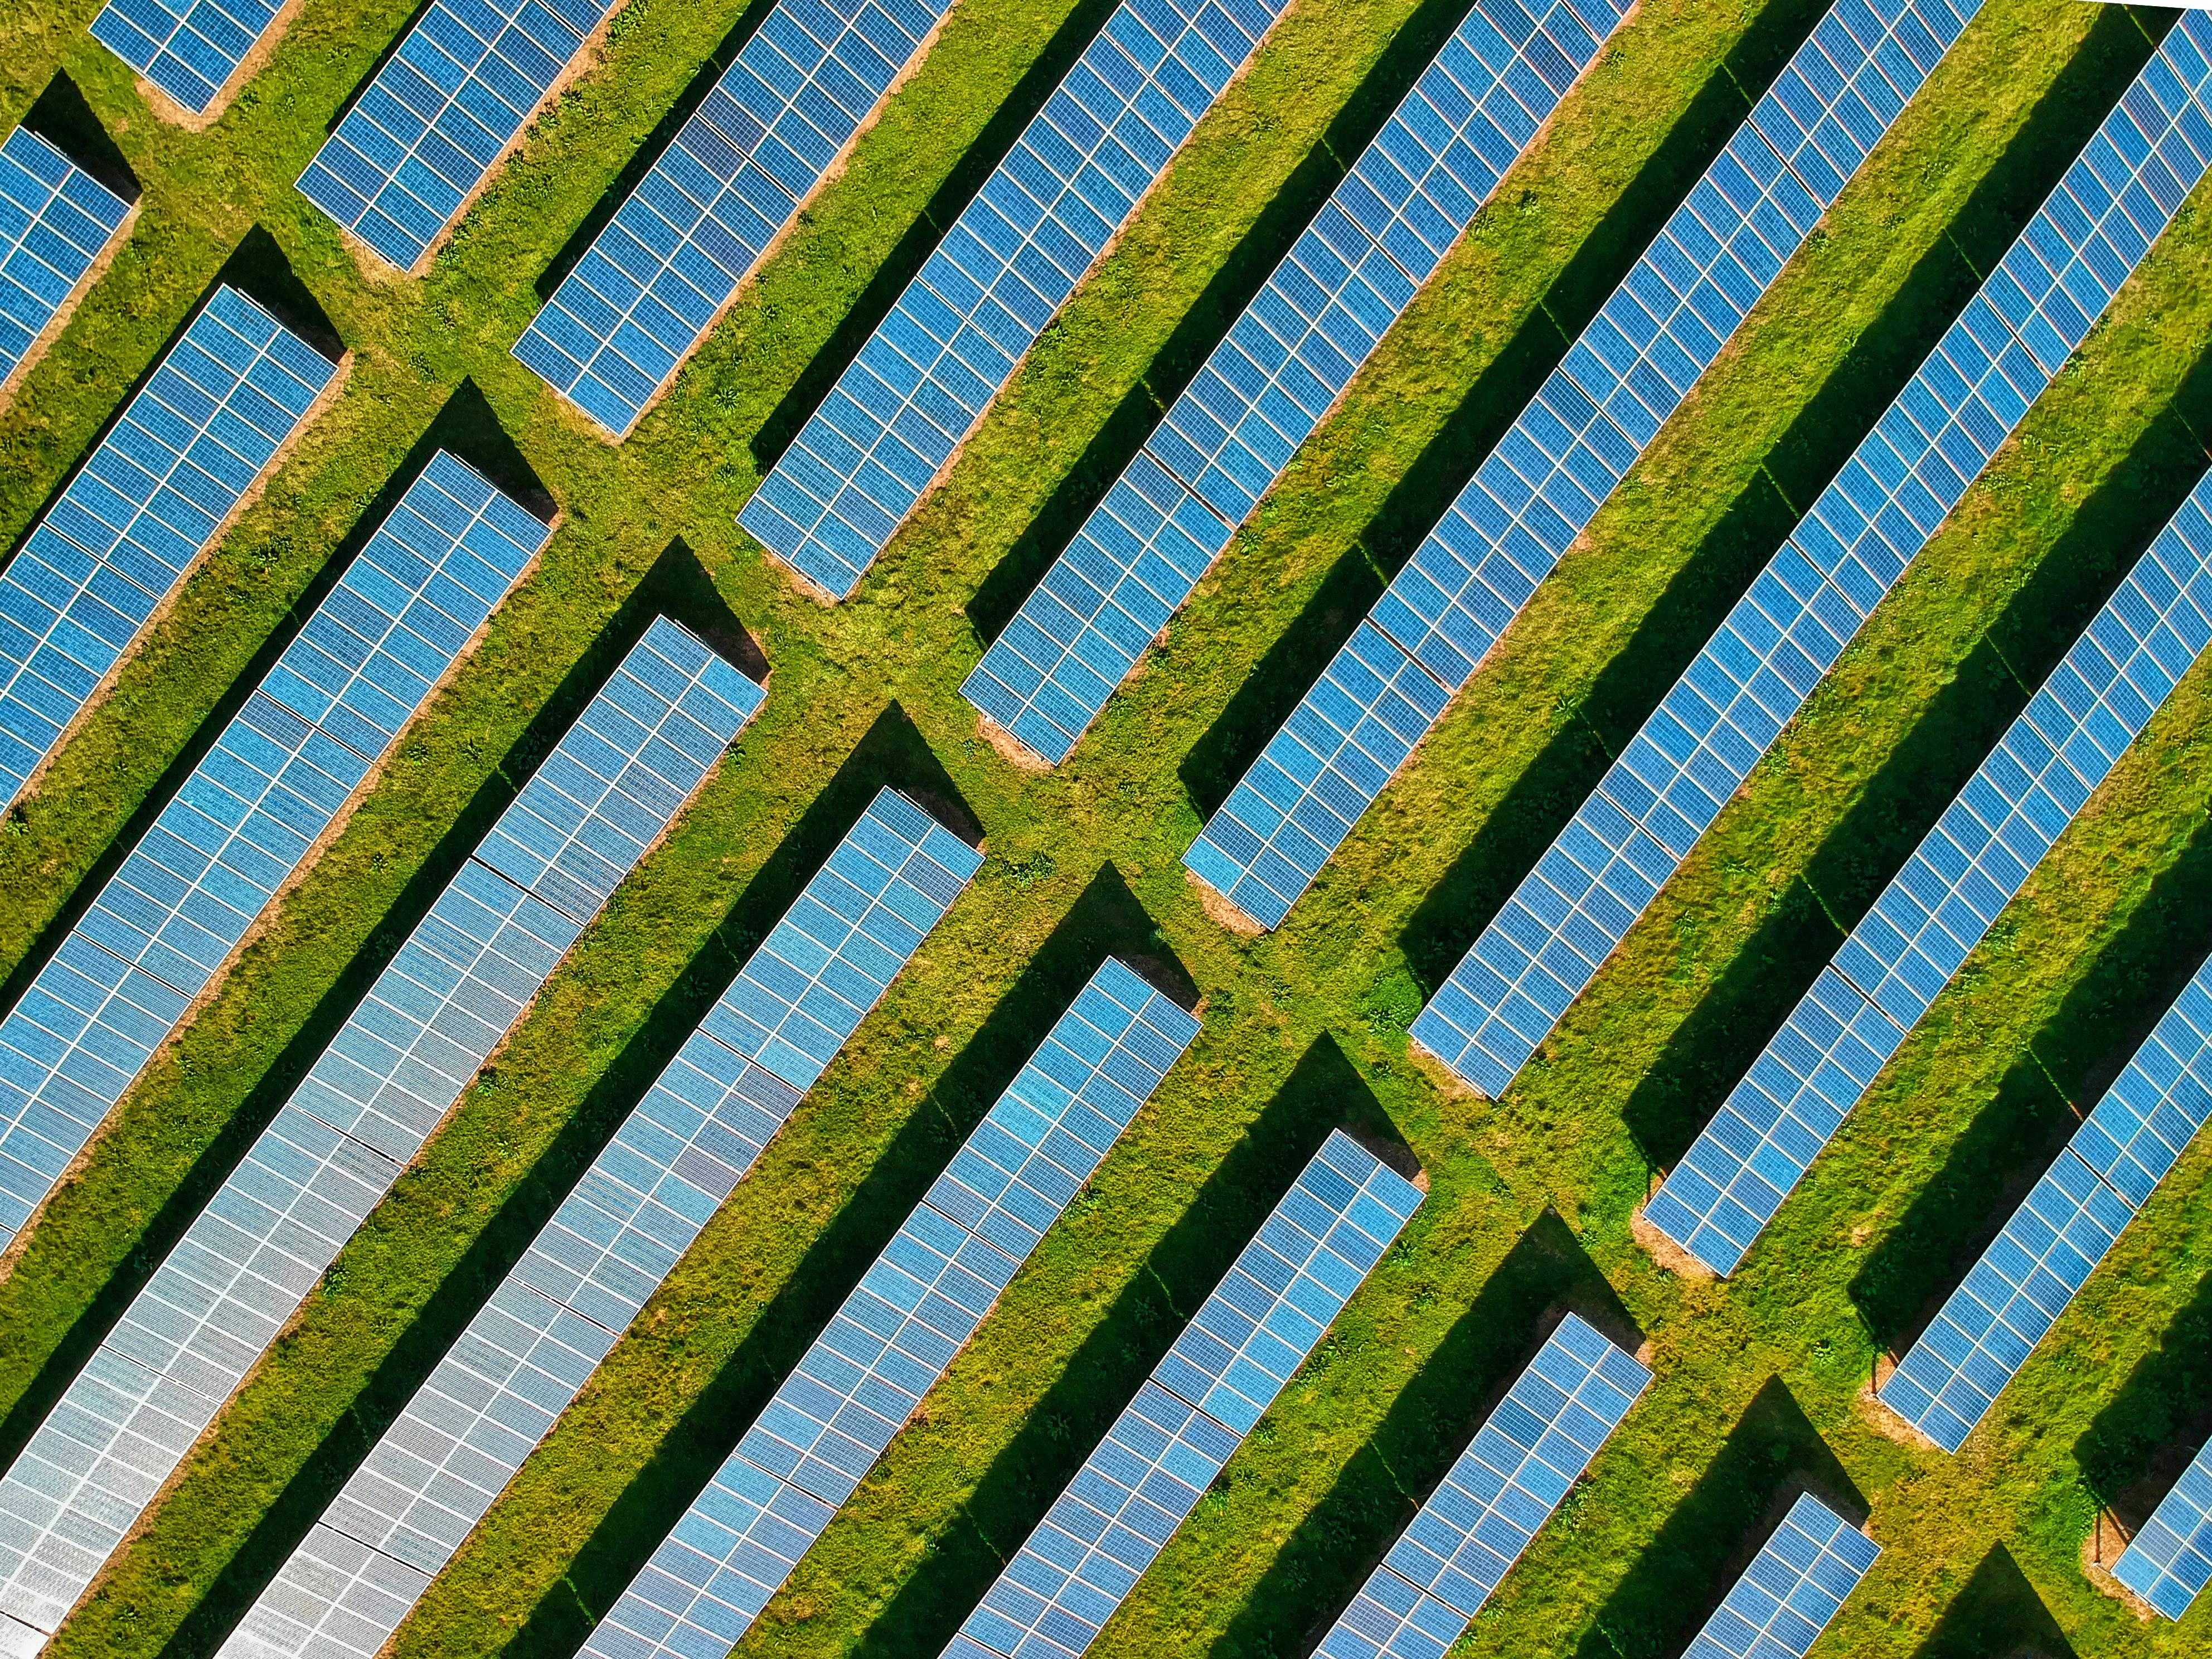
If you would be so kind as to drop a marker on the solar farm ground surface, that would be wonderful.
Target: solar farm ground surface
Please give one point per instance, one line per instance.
(1758, 1380)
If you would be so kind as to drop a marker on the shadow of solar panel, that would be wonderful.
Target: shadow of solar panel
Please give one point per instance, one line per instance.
(2170, 1561)
(445, 108)
(1543, 483)
(191, 49)
(400, 1063)
(896, 1334)
(1224, 1370)
(1405, 201)
(1794, 1587)
(56, 223)
(1524, 1460)
(1016, 252)
(733, 180)
(149, 500)
(1783, 636)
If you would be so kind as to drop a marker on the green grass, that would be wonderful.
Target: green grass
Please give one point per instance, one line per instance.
(1530, 1198)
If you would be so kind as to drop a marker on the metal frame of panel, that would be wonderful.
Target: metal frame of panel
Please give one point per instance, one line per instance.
(1543, 483)
(57, 223)
(1794, 1587)
(645, 293)
(951, 342)
(1201, 1400)
(2169, 1562)
(1749, 680)
(1382, 232)
(191, 49)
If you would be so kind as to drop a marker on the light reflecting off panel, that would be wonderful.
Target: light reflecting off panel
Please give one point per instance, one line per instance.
(2037, 306)
(147, 501)
(1247, 1341)
(1381, 234)
(56, 223)
(1524, 1460)
(191, 49)
(898, 1331)
(1011, 260)
(1795, 1585)
(388, 1079)
(1543, 483)
(733, 180)
(440, 114)
(2170, 1561)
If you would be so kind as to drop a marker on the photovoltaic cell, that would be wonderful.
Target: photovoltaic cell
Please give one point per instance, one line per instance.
(1382, 234)
(400, 1063)
(1589, 421)
(147, 503)
(1935, 912)
(1524, 1460)
(1012, 256)
(2168, 1562)
(1156, 1462)
(55, 222)
(1795, 1585)
(1750, 679)
(440, 114)
(898, 1331)
(191, 49)
(652, 284)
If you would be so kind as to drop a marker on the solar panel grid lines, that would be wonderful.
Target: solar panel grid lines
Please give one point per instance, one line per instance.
(1046, 214)
(58, 226)
(195, 53)
(2168, 1563)
(1283, 366)
(1788, 631)
(730, 184)
(1497, 1496)
(1539, 489)
(897, 1332)
(457, 984)
(1221, 1374)
(157, 491)
(1794, 1587)
(442, 112)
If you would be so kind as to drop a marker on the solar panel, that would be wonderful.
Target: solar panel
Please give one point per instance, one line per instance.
(457, 986)
(443, 110)
(897, 1332)
(1784, 636)
(1524, 1460)
(192, 49)
(56, 221)
(1381, 234)
(2169, 1561)
(1201, 1400)
(153, 496)
(1047, 212)
(1922, 928)
(733, 180)
(1795, 1585)
(1543, 483)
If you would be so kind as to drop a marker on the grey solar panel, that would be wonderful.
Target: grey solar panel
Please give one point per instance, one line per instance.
(57, 223)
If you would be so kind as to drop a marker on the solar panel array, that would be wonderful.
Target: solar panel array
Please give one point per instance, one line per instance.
(1267, 384)
(1752, 677)
(1919, 933)
(191, 49)
(1543, 483)
(455, 989)
(56, 220)
(898, 1331)
(439, 115)
(1795, 1585)
(651, 284)
(1015, 253)
(2170, 1561)
(148, 501)
(1524, 1460)
(1201, 1400)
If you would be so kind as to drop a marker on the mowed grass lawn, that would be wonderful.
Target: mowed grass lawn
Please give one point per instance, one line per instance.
(1758, 1380)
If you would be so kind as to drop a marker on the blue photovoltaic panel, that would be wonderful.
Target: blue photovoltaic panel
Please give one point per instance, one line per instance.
(1793, 1587)
(188, 48)
(1967, 869)
(1504, 1487)
(921, 382)
(651, 284)
(1985, 1332)
(1202, 1399)
(898, 1331)
(388, 1080)
(443, 109)
(2169, 1561)
(147, 503)
(56, 220)
(1379, 237)
(1544, 482)
(1751, 678)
